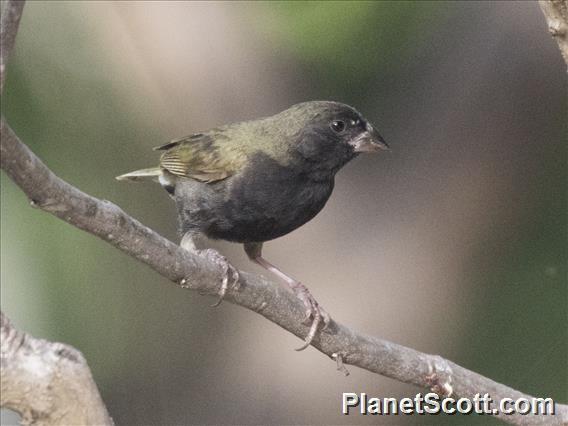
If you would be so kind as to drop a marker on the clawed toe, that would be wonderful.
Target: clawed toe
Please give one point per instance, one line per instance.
(326, 318)
(314, 313)
(230, 273)
(233, 273)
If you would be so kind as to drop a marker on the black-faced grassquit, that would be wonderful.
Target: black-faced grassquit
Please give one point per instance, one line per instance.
(255, 181)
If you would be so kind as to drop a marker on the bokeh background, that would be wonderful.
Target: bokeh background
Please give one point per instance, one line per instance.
(453, 243)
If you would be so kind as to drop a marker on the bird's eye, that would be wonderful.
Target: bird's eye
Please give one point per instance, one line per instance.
(338, 126)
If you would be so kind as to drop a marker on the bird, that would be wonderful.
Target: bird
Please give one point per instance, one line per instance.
(254, 181)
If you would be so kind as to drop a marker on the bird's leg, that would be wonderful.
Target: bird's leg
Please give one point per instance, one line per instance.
(313, 308)
(230, 273)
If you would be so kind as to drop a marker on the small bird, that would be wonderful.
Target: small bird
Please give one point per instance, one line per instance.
(254, 181)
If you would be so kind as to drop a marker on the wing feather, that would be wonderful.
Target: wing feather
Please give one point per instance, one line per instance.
(202, 157)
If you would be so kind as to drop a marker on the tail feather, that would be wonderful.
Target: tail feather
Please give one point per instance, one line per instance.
(153, 172)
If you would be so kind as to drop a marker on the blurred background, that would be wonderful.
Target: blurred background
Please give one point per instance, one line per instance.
(453, 243)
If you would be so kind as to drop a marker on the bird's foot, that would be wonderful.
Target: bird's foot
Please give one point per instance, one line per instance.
(230, 273)
(314, 313)
(439, 377)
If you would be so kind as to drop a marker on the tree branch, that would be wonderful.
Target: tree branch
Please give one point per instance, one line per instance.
(107, 221)
(11, 14)
(556, 14)
(47, 383)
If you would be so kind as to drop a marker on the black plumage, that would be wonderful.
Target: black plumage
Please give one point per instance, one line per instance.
(265, 201)
(254, 181)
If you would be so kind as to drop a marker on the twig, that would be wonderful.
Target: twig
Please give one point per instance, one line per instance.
(48, 383)
(11, 14)
(107, 221)
(556, 14)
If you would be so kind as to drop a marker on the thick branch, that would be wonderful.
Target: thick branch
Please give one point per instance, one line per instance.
(556, 14)
(109, 222)
(47, 383)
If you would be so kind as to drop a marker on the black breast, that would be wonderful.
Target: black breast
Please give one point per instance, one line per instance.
(266, 201)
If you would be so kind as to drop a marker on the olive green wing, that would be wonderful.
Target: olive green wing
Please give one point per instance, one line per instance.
(202, 157)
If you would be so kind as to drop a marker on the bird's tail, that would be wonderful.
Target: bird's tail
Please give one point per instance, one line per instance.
(153, 172)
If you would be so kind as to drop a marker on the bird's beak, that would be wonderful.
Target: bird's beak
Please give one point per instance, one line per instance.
(369, 141)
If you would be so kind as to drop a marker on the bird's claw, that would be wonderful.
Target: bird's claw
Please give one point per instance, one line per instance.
(314, 313)
(230, 273)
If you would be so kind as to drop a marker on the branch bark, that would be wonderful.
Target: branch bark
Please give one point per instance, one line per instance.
(11, 14)
(47, 383)
(110, 223)
(556, 14)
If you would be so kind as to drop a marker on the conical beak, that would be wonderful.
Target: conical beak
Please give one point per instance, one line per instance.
(369, 141)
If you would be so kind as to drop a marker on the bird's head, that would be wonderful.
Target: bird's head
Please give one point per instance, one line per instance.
(333, 133)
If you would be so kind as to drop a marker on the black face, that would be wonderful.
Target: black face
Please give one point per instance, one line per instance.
(328, 140)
